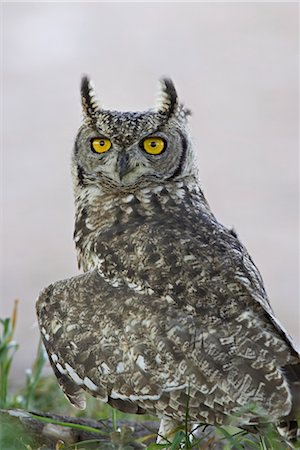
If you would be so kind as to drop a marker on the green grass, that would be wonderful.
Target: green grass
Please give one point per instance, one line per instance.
(42, 394)
(8, 348)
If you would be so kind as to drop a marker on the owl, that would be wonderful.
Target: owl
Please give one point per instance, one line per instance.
(170, 316)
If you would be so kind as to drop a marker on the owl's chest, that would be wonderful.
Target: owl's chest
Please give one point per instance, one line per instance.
(173, 250)
(132, 226)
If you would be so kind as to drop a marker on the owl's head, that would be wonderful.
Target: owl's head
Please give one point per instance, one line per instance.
(124, 151)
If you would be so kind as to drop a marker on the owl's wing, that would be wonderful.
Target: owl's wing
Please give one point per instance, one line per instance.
(100, 338)
(111, 334)
(213, 279)
(203, 272)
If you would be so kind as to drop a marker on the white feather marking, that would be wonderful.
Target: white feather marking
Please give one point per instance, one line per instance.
(158, 359)
(145, 199)
(179, 194)
(141, 362)
(46, 335)
(189, 258)
(114, 394)
(75, 377)
(227, 340)
(89, 225)
(136, 287)
(169, 299)
(134, 398)
(157, 189)
(190, 308)
(245, 315)
(174, 387)
(54, 358)
(128, 198)
(243, 280)
(104, 368)
(120, 367)
(139, 288)
(55, 326)
(90, 384)
(61, 369)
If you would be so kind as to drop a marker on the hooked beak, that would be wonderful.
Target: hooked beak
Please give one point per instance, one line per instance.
(123, 164)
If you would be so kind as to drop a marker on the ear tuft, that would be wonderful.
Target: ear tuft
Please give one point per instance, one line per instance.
(167, 102)
(167, 97)
(90, 104)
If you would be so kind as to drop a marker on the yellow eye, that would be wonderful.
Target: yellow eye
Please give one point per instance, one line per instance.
(154, 145)
(101, 145)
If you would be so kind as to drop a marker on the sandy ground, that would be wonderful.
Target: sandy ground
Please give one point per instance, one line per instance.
(234, 64)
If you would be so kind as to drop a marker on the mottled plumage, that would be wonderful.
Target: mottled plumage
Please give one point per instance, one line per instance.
(171, 312)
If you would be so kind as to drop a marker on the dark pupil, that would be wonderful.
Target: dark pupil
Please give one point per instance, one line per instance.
(102, 143)
(153, 144)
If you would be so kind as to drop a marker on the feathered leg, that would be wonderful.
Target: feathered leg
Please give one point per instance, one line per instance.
(167, 431)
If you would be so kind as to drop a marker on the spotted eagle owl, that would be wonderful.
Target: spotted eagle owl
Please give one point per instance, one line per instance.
(170, 316)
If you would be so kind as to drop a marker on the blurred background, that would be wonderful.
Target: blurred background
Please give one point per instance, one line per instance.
(234, 64)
